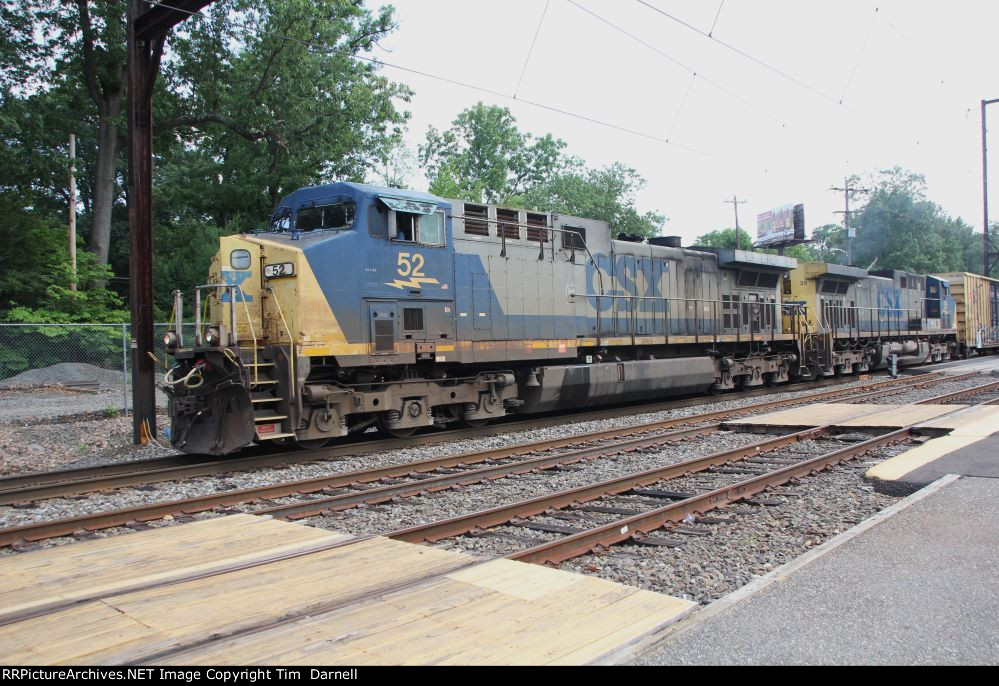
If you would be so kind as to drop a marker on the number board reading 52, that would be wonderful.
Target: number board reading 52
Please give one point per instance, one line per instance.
(273, 271)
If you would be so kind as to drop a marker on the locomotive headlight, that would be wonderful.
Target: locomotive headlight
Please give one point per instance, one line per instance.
(213, 337)
(171, 341)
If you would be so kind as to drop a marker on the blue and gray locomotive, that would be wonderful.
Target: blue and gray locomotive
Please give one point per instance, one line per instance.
(363, 306)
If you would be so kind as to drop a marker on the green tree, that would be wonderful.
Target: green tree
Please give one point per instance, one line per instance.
(607, 194)
(485, 157)
(244, 113)
(901, 229)
(829, 243)
(726, 238)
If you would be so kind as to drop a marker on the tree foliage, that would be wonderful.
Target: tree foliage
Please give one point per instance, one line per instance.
(256, 99)
(485, 157)
(899, 228)
(726, 238)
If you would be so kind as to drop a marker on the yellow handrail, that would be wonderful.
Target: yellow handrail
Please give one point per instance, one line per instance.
(291, 346)
(253, 335)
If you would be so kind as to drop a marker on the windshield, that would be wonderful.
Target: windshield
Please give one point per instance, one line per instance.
(336, 216)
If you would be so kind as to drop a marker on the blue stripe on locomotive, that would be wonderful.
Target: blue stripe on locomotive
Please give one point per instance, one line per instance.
(352, 266)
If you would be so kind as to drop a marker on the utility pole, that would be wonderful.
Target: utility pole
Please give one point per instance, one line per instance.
(735, 204)
(847, 194)
(72, 208)
(988, 252)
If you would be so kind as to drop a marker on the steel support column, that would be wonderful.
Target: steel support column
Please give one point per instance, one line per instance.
(990, 253)
(148, 25)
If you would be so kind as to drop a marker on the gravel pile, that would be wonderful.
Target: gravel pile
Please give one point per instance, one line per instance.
(68, 390)
(64, 374)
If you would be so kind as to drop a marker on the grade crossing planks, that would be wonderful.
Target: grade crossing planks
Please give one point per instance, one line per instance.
(33, 581)
(488, 614)
(364, 601)
(898, 416)
(849, 415)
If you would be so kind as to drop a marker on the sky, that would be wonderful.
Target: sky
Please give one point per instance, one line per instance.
(784, 100)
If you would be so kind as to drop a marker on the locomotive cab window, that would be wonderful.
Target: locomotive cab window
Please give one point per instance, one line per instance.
(338, 216)
(419, 228)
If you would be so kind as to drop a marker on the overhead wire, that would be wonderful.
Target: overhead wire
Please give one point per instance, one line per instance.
(736, 50)
(717, 14)
(531, 51)
(669, 57)
(445, 79)
(683, 101)
(860, 57)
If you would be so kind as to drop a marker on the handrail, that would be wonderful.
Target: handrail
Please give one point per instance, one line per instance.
(253, 336)
(714, 330)
(292, 382)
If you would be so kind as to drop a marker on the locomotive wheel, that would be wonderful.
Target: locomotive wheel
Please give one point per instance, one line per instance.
(395, 432)
(770, 379)
(455, 412)
(311, 444)
(810, 376)
(474, 423)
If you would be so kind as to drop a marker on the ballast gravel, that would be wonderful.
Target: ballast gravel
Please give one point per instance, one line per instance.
(134, 497)
(472, 498)
(756, 540)
(46, 429)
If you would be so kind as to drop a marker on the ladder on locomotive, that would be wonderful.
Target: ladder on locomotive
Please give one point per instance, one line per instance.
(270, 410)
(812, 344)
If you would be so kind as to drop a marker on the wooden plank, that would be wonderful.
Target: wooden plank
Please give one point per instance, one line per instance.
(348, 573)
(979, 420)
(374, 601)
(328, 638)
(527, 582)
(812, 415)
(75, 636)
(32, 585)
(900, 415)
(600, 607)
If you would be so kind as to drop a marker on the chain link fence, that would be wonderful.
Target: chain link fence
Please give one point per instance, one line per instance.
(79, 356)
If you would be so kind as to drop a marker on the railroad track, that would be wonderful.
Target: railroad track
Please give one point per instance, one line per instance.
(350, 489)
(634, 507)
(65, 482)
(31, 487)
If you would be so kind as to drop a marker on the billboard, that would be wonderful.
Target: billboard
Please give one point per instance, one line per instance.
(781, 224)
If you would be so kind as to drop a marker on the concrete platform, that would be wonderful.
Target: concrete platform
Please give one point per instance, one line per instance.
(971, 448)
(251, 590)
(988, 364)
(918, 587)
